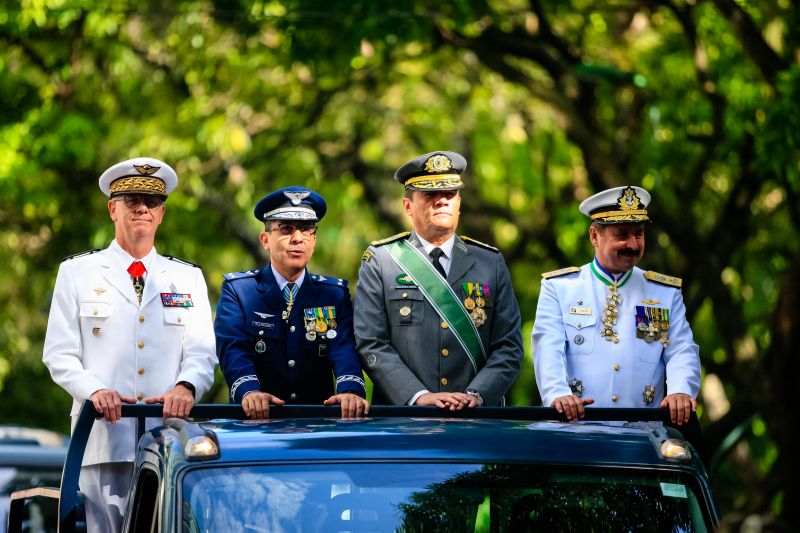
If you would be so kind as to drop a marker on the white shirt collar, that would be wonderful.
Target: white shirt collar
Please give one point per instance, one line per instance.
(126, 259)
(283, 281)
(446, 246)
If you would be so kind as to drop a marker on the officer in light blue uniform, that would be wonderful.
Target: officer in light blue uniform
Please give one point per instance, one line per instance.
(285, 335)
(609, 333)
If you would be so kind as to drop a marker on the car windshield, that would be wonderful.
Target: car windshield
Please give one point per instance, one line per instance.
(437, 497)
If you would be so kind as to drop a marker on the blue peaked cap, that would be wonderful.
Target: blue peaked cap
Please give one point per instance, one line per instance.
(291, 203)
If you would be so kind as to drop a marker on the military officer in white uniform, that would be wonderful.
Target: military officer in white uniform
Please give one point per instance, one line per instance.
(127, 324)
(609, 333)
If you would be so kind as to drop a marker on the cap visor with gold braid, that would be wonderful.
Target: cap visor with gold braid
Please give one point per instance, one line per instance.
(435, 171)
(139, 176)
(619, 205)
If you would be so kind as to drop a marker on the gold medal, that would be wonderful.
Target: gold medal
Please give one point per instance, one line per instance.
(332, 323)
(480, 301)
(322, 327)
(405, 311)
(469, 303)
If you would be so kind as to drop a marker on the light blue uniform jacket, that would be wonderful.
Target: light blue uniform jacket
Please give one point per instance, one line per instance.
(568, 346)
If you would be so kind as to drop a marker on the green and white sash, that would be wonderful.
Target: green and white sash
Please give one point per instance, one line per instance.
(441, 296)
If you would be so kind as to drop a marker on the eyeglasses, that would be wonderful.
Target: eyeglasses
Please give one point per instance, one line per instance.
(286, 230)
(132, 201)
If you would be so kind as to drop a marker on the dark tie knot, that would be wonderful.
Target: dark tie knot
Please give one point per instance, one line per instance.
(436, 253)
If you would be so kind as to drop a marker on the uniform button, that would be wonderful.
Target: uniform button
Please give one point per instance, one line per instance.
(293, 396)
(141, 344)
(179, 320)
(291, 328)
(578, 325)
(140, 396)
(261, 332)
(405, 295)
(444, 381)
(444, 325)
(445, 352)
(141, 318)
(614, 398)
(616, 368)
(141, 371)
(291, 362)
(94, 311)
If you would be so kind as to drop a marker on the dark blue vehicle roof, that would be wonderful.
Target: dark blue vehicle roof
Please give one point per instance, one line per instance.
(442, 439)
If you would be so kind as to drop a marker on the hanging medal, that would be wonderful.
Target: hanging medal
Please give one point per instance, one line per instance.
(329, 312)
(310, 323)
(469, 303)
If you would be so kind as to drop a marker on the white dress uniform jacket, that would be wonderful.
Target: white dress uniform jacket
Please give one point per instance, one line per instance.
(569, 349)
(100, 337)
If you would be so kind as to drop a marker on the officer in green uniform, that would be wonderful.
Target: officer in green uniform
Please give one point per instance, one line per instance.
(436, 319)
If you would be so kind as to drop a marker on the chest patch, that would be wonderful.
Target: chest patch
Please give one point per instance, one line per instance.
(174, 299)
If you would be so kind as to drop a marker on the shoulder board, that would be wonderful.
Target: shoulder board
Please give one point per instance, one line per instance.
(179, 260)
(393, 238)
(663, 279)
(88, 252)
(560, 272)
(338, 282)
(480, 244)
(240, 275)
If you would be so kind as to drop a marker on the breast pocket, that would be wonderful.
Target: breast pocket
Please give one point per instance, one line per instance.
(649, 352)
(581, 334)
(95, 310)
(406, 307)
(177, 316)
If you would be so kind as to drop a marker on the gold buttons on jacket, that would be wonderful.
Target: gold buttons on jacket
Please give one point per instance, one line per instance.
(614, 398)
(616, 368)
(445, 352)
(94, 312)
(405, 295)
(141, 344)
(141, 371)
(445, 325)
(444, 381)
(141, 318)
(140, 396)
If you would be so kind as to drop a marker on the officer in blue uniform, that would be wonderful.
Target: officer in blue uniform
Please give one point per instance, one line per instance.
(281, 330)
(609, 333)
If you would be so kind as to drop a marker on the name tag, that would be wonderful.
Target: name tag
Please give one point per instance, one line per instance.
(174, 299)
(580, 310)
(262, 325)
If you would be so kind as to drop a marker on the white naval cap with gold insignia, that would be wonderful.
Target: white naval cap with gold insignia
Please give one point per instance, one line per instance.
(617, 206)
(141, 175)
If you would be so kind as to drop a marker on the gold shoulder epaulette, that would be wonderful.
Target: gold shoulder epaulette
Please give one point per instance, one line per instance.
(560, 272)
(662, 279)
(393, 238)
(470, 240)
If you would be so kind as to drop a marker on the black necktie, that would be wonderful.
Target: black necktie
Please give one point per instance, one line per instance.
(435, 254)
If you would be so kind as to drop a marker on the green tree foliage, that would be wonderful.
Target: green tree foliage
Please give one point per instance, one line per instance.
(550, 101)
